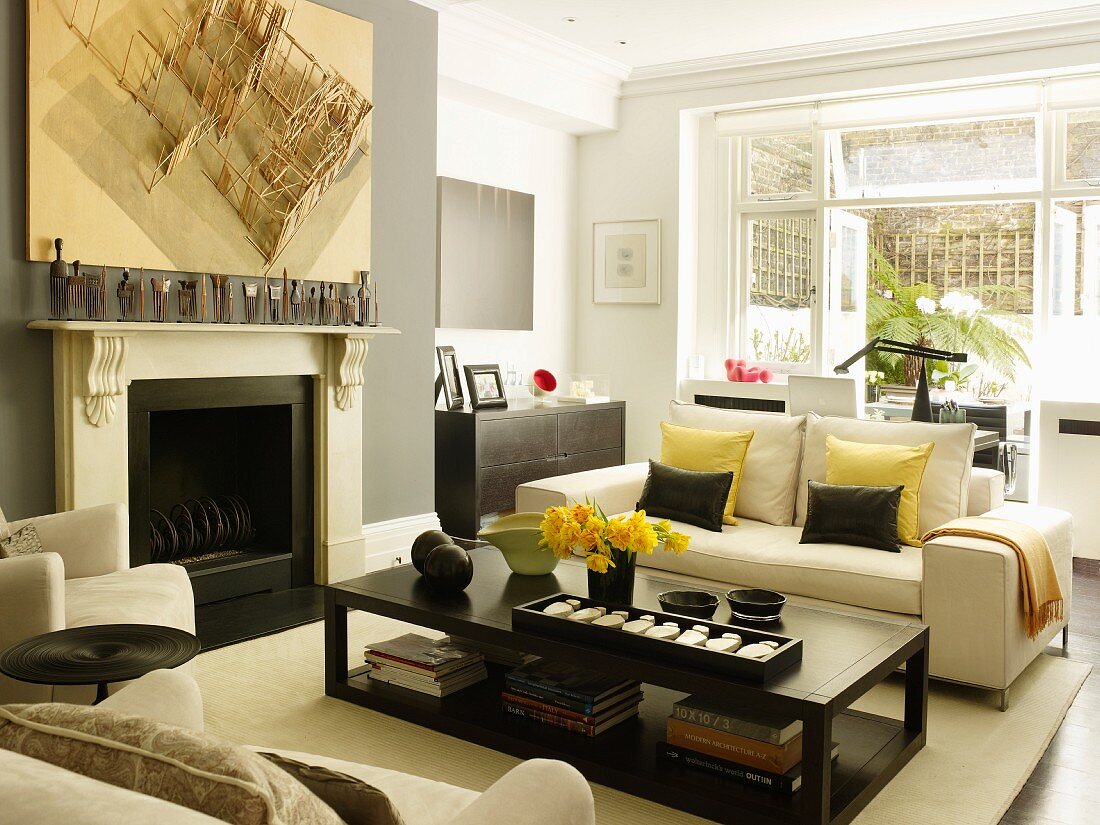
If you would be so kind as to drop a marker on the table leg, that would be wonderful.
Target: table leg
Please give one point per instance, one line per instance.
(916, 690)
(817, 762)
(336, 642)
(100, 692)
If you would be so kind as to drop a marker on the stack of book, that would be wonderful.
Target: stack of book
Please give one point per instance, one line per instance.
(578, 700)
(495, 654)
(762, 750)
(437, 667)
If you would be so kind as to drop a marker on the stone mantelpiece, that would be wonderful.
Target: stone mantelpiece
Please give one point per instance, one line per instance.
(94, 363)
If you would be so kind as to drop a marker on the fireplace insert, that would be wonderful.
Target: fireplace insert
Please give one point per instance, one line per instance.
(221, 480)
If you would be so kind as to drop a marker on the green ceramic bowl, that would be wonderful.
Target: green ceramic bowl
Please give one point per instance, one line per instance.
(517, 537)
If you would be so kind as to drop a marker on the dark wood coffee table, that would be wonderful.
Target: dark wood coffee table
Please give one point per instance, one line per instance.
(844, 656)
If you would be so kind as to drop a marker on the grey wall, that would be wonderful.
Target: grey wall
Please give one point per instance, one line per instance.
(398, 417)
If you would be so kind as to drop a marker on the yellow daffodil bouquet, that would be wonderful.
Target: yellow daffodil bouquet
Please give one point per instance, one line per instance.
(586, 527)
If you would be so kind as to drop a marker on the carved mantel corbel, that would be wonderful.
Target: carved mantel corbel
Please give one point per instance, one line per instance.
(104, 374)
(351, 355)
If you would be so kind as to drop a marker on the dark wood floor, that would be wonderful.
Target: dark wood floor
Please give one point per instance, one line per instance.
(1065, 787)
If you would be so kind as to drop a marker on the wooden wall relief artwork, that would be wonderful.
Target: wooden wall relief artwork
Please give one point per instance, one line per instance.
(201, 135)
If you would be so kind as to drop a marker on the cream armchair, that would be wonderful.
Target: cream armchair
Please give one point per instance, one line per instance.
(83, 578)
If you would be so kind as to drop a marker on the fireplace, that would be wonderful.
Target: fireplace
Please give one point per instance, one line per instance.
(102, 372)
(220, 475)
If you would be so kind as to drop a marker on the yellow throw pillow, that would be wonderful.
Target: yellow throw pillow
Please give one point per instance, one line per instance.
(707, 450)
(882, 465)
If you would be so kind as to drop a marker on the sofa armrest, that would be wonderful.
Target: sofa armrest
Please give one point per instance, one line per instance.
(168, 696)
(617, 489)
(987, 491)
(974, 605)
(93, 541)
(536, 792)
(32, 601)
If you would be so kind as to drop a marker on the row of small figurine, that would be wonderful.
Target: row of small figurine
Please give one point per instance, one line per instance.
(70, 292)
(695, 636)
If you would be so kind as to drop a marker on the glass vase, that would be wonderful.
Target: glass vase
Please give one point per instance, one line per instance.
(872, 393)
(616, 586)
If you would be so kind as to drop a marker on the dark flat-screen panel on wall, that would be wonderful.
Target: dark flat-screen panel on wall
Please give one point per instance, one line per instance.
(485, 272)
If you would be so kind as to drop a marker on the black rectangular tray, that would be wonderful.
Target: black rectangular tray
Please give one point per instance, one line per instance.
(530, 617)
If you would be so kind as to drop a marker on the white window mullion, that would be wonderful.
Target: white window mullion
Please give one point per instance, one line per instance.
(820, 251)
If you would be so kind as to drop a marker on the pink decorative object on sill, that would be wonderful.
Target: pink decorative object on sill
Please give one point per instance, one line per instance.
(738, 370)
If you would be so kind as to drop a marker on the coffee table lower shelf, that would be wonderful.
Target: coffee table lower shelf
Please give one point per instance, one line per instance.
(872, 749)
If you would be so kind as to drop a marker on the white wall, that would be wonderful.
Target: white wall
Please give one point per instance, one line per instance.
(487, 147)
(636, 172)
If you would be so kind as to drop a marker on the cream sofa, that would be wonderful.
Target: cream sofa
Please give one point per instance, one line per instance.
(966, 590)
(537, 792)
(83, 578)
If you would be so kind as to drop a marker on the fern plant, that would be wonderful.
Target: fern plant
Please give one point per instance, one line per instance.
(992, 336)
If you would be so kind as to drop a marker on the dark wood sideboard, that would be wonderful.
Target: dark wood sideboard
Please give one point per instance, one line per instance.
(481, 456)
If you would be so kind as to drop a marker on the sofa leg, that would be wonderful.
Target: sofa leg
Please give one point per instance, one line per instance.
(1004, 699)
(1065, 637)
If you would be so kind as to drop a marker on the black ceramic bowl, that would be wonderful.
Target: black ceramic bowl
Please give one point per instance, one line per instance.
(695, 603)
(756, 605)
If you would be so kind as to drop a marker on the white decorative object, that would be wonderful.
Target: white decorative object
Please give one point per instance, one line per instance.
(668, 630)
(728, 643)
(626, 262)
(759, 650)
(639, 626)
(560, 609)
(574, 603)
(612, 620)
(588, 614)
(624, 613)
(691, 637)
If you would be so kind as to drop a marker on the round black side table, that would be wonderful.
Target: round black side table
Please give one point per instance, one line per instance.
(97, 655)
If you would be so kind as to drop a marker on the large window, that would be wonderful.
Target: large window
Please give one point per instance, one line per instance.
(983, 203)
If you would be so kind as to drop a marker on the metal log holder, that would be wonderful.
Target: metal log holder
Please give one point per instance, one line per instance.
(201, 528)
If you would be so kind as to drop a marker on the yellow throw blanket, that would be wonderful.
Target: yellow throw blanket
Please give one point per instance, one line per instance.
(1038, 580)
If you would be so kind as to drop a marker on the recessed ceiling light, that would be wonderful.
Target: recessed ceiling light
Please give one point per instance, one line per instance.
(569, 20)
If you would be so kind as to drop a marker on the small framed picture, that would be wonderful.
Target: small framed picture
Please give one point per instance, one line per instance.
(626, 262)
(485, 386)
(448, 379)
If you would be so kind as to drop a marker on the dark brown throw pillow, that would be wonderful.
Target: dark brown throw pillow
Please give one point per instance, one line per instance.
(851, 514)
(354, 801)
(688, 496)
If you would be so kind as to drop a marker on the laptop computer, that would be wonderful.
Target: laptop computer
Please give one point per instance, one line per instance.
(821, 395)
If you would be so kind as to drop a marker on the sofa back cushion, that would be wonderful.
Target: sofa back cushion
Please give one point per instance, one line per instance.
(945, 486)
(770, 472)
(185, 768)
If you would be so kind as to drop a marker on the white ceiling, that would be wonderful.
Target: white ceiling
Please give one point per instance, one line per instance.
(670, 31)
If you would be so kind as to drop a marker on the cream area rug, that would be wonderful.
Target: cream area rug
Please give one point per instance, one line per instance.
(270, 692)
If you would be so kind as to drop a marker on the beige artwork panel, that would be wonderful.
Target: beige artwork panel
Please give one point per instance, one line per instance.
(94, 149)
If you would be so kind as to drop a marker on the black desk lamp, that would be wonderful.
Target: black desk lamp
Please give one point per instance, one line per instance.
(922, 404)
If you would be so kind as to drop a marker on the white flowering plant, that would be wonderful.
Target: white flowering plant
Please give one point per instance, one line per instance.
(963, 320)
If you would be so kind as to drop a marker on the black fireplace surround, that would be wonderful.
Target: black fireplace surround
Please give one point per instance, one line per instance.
(221, 481)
